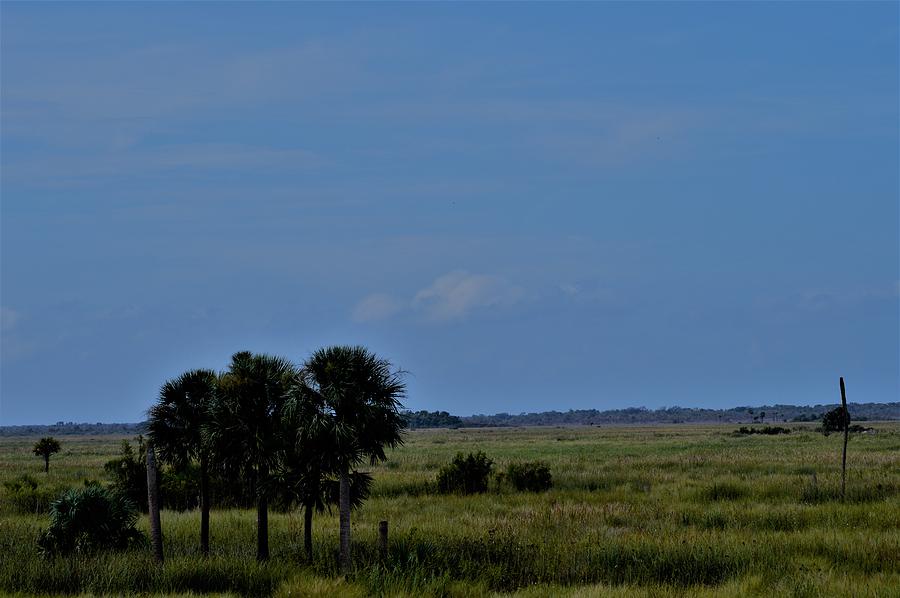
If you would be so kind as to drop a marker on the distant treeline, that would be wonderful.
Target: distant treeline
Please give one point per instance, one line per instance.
(432, 419)
(685, 415)
(573, 417)
(74, 429)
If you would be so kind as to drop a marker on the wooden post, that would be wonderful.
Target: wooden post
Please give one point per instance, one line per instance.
(846, 436)
(153, 505)
(383, 540)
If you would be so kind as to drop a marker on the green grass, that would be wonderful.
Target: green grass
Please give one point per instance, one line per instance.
(638, 511)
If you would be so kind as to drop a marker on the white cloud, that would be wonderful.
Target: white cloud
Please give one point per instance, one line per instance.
(455, 294)
(451, 296)
(378, 306)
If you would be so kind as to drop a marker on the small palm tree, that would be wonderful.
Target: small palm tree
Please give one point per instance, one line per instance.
(176, 430)
(44, 448)
(89, 519)
(353, 400)
(246, 428)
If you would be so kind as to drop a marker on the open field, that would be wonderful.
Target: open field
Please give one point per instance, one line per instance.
(635, 511)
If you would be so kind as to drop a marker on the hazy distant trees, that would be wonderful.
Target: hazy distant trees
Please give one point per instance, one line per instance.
(432, 419)
(44, 448)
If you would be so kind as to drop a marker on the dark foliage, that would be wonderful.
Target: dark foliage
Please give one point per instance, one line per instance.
(466, 474)
(769, 430)
(89, 519)
(835, 420)
(533, 476)
(360, 489)
(431, 419)
(179, 486)
(129, 473)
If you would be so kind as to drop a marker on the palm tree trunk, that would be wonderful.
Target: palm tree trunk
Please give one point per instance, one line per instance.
(307, 531)
(153, 505)
(262, 529)
(344, 507)
(204, 506)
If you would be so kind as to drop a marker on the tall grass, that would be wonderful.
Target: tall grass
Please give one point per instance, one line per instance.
(656, 511)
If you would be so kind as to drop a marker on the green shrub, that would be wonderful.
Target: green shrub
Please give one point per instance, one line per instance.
(129, 473)
(88, 519)
(466, 474)
(179, 487)
(532, 476)
(24, 495)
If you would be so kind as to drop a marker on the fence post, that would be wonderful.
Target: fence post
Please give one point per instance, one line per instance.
(383, 539)
(153, 505)
(846, 435)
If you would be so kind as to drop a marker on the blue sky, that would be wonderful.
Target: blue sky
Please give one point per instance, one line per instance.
(528, 207)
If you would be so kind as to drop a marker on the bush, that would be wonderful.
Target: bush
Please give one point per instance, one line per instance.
(179, 487)
(466, 474)
(129, 473)
(24, 495)
(88, 519)
(531, 476)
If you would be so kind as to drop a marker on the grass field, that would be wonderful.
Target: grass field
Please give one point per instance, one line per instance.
(640, 511)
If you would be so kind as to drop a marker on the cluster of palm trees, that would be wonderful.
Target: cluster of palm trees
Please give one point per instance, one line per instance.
(283, 430)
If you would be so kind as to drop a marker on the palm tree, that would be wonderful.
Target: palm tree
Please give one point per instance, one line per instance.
(246, 427)
(176, 426)
(307, 470)
(353, 400)
(44, 448)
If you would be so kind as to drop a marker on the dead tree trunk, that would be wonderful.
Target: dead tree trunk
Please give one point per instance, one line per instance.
(153, 505)
(846, 437)
(383, 540)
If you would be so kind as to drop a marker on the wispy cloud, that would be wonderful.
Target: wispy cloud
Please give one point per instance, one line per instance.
(378, 306)
(456, 294)
(451, 296)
